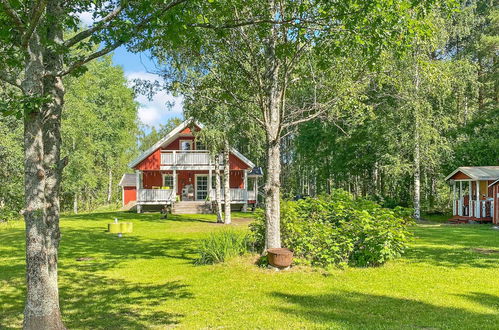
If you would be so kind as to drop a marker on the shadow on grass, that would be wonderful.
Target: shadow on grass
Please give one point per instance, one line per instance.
(111, 250)
(451, 246)
(90, 300)
(353, 310)
(97, 302)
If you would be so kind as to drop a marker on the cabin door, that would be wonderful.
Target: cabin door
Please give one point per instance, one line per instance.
(201, 187)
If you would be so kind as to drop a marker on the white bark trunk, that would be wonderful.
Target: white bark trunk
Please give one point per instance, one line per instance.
(227, 200)
(42, 181)
(218, 187)
(75, 203)
(417, 151)
(110, 187)
(272, 198)
(275, 102)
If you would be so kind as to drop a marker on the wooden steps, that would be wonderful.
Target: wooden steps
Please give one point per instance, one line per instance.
(191, 207)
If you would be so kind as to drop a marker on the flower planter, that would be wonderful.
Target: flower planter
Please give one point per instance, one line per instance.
(280, 258)
(121, 227)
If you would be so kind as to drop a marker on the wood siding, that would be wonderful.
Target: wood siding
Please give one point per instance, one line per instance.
(129, 195)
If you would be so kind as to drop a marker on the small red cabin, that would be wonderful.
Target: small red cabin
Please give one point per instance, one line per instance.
(475, 193)
(178, 171)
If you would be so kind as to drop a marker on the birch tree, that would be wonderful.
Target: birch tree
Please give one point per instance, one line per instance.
(255, 65)
(37, 52)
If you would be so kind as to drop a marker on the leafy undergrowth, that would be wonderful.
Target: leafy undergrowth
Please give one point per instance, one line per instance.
(149, 279)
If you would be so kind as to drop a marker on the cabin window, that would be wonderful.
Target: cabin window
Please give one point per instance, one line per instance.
(185, 144)
(168, 181)
(200, 145)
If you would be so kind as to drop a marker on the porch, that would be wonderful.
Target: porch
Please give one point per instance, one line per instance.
(167, 196)
(166, 188)
(471, 201)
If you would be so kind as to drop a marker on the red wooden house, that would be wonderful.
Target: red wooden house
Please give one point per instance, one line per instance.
(475, 194)
(178, 171)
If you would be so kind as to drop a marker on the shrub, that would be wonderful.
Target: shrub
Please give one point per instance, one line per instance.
(340, 230)
(222, 246)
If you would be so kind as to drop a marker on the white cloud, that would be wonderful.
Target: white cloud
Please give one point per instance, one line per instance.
(86, 18)
(149, 116)
(161, 106)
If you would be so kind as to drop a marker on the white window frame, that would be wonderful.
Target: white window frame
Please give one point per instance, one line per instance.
(163, 180)
(196, 186)
(181, 141)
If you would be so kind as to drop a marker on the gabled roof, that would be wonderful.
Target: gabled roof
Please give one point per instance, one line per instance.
(171, 136)
(128, 180)
(478, 172)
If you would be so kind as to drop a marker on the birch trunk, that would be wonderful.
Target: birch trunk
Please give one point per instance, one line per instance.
(218, 188)
(75, 204)
(110, 187)
(42, 180)
(227, 200)
(417, 181)
(275, 102)
(417, 150)
(272, 198)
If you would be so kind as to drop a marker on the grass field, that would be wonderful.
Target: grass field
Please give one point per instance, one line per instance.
(148, 279)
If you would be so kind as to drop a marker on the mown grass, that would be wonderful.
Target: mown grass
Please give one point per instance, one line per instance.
(149, 279)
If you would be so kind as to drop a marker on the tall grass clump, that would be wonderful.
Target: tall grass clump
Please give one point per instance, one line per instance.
(222, 246)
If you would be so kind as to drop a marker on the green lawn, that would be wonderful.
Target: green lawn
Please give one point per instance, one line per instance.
(148, 280)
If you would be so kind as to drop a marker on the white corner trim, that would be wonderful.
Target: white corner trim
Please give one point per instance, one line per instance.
(460, 169)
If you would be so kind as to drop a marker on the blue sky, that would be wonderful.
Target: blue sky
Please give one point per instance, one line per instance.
(154, 111)
(138, 66)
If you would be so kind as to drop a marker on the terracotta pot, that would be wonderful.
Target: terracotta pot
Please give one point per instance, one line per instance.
(280, 258)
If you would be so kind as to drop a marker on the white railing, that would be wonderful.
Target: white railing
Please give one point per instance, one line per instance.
(485, 208)
(155, 195)
(186, 157)
(235, 194)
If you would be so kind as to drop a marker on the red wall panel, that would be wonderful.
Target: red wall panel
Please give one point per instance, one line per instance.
(129, 194)
(152, 162)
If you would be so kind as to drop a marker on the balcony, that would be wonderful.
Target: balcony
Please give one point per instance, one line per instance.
(186, 158)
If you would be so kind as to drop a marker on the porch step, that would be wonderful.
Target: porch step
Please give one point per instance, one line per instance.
(191, 207)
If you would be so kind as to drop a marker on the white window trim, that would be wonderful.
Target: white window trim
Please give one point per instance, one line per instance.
(196, 187)
(185, 140)
(163, 179)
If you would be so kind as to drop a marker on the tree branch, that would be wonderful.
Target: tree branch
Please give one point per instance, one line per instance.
(138, 27)
(35, 18)
(97, 54)
(12, 14)
(97, 26)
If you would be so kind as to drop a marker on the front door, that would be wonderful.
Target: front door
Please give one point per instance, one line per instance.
(201, 187)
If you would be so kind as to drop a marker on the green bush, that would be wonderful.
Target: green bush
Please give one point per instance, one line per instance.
(340, 230)
(222, 246)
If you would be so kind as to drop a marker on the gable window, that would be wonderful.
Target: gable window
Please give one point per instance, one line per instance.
(200, 145)
(185, 144)
(168, 181)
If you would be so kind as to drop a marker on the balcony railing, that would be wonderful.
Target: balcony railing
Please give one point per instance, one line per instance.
(235, 195)
(155, 195)
(185, 157)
